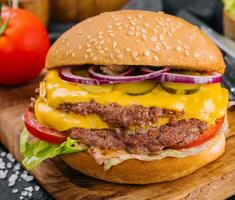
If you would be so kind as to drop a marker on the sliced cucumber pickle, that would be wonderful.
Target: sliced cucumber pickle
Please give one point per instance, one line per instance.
(93, 89)
(97, 89)
(180, 88)
(138, 88)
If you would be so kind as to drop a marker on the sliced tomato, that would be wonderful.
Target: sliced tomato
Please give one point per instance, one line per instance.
(207, 135)
(42, 132)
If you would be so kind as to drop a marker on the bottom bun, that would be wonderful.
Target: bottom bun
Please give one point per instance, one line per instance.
(143, 172)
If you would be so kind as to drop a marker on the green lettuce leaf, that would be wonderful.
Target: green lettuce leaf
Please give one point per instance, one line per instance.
(35, 151)
(229, 6)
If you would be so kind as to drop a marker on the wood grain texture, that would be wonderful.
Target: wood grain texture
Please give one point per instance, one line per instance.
(214, 181)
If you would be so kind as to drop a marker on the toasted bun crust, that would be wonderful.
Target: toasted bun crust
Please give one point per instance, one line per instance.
(144, 172)
(136, 38)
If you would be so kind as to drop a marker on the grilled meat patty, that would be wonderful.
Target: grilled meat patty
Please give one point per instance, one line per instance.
(150, 141)
(122, 116)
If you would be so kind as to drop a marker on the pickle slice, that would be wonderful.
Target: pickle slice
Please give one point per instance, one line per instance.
(93, 89)
(138, 88)
(97, 89)
(180, 88)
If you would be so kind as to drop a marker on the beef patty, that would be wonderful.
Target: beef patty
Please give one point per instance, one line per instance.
(122, 116)
(150, 141)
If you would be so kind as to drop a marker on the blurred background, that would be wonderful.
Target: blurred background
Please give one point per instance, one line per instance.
(59, 15)
(215, 16)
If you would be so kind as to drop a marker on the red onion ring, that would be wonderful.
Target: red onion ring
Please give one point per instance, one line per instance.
(125, 79)
(67, 75)
(182, 78)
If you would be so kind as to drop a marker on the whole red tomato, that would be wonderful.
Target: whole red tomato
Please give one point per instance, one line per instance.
(23, 47)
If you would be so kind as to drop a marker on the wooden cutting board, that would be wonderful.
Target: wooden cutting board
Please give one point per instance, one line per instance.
(214, 181)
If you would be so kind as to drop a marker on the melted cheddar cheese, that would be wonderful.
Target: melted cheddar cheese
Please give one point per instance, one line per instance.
(208, 104)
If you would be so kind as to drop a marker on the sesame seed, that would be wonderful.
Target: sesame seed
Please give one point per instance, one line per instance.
(88, 37)
(132, 28)
(156, 58)
(89, 20)
(140, 16)
(100, 37)
(210, 57)
(144, 37)
(143, 30)
(115, 19)
(101, 51)
(111, 56)
(156, 48)
(178, 48)
(179, 42)
(168, 19)
(73, 55)
(118, 24)
(147, 53)
(130, 33)
(120, 56)
(160, 23)
(164, 44)
(155, 30)
(128, 49)
(101, 33)
(196, 55)
(169, 34)
(101, 42)
(114, 45)
(98, 47)
(94, 58)
(146, 25)
(134, 54)
(137, 33)
(120, 28)
(159, 27)
(105, 48)
(89, 50)
(110, 27)
(153, 39)
(168, 47)
(132, 23)
(187, 53)
(79, 32)
(109, 31)
(161, 37)
(172, 29)
(111, 34)
(129, 17)
(91, 54)
(117, 51)
(137, 58)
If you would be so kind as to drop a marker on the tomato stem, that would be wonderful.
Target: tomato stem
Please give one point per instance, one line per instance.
(3, 26)
(0, 13)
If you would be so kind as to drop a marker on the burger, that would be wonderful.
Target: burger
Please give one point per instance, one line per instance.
(129, 97)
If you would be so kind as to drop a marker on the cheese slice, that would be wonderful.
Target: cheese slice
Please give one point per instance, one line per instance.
(62, 121)
(208, 104)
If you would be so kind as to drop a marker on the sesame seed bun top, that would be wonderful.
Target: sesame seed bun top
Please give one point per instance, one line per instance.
(136, 38)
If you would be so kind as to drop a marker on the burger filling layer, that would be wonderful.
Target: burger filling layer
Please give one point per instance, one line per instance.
(111, 118)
